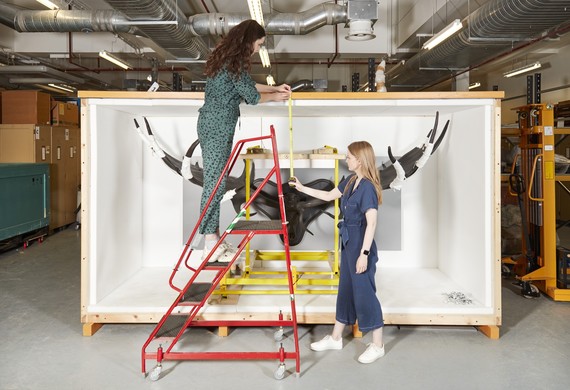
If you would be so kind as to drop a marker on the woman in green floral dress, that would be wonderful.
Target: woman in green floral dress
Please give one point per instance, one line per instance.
(228, 84)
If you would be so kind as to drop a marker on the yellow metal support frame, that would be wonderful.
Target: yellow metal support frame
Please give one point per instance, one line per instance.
(317, 282)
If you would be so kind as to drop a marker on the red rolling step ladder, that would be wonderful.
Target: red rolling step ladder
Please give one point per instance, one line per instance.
(192, 297)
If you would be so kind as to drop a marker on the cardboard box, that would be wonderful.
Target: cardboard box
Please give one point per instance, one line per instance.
(25, 144)
(65, 114)
(26, 107)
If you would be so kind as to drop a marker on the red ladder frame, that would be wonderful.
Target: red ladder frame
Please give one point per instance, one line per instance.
(194, 294)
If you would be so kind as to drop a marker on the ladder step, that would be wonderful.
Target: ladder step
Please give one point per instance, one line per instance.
(171, 326)
(267, 227)
(196, 293)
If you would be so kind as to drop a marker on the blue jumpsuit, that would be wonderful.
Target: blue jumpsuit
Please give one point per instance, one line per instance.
(357, 298)
(216, 128)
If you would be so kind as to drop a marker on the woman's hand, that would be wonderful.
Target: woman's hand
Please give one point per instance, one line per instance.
(283, 88)
(295, 183)
(278, 93)
(280, 96)
(361, 264)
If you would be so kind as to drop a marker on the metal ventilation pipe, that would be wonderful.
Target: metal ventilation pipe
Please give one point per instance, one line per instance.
(511, 20)
(275, 24)
(176, 39)
(72, 21)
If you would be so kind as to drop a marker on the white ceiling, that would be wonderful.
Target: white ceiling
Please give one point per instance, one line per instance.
(402, 26)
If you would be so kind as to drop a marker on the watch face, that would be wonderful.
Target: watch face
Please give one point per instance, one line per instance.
(366, 252)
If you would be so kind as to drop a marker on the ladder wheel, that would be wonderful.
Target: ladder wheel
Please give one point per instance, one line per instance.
(280, 372)
(278, 335)
(534, 292)
(155, 373)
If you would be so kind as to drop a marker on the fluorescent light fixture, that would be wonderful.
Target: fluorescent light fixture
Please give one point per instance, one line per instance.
(185, 61)
(256, 11)
(524, 69)
(441, 36)
(111, 58)
(474, 85)
(66, 88)
(48, 4)
(264, 55)
(270, 80)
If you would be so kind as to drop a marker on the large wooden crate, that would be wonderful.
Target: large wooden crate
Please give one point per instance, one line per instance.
(439, 235)
(56, 145)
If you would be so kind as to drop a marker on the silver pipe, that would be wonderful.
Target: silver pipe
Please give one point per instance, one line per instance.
(275, 24)
(176, 39)
(71, 21)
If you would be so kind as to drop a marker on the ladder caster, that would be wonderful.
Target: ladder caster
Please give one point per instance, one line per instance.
(155, 373)
(530, 290)
(280, 372)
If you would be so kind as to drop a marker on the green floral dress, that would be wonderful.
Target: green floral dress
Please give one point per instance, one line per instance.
(216, 127)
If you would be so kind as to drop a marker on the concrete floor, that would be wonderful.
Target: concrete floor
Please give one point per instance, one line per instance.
(42, 346)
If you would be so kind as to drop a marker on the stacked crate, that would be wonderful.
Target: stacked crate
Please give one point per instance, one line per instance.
(27, 135)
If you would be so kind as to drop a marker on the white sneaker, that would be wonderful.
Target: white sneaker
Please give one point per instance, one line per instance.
(228, 254)
(220, 250)
(371, 354)
(326, 343)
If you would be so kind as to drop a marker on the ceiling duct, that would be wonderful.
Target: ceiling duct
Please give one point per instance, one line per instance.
(176, 39)
(63, 21)
(511, 20)
(362, 14)
(72, 21)
(275, 24)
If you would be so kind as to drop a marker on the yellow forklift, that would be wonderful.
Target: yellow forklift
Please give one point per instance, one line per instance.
(533, 181)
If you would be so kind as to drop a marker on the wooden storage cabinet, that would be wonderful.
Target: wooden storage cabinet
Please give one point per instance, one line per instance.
(56, 145)
(440, 235)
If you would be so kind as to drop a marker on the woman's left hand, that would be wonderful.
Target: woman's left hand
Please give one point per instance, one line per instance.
(361, 264)
(283, 88)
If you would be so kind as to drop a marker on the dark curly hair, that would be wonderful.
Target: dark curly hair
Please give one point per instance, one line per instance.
(235, 49)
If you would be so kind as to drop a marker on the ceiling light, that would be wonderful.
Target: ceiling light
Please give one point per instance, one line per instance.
(524, 69)
(66, 88)
(264, 55)
(48, 4)
(256, 11)
(474, 85)
(185, 61)
(270, 80)
(111, 58)
(441, 36)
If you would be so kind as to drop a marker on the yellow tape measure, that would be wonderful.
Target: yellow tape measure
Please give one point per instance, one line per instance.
(291, 137)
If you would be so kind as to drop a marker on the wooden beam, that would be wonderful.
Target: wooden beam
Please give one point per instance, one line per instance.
(90, 328)
(491, 331)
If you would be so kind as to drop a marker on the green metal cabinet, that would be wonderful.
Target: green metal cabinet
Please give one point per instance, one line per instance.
(24, 198)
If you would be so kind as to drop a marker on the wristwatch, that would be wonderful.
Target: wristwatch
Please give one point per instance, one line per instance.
(365, 252)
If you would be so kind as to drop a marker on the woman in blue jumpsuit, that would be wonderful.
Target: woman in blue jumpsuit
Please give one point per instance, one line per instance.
(360, 194)
(228, 84)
